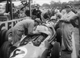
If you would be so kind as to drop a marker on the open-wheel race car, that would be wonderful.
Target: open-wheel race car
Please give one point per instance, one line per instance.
(43, 45)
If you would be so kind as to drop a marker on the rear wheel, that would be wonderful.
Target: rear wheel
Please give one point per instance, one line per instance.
(55, 50)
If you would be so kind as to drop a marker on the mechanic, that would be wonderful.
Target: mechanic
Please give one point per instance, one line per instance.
(23, 27)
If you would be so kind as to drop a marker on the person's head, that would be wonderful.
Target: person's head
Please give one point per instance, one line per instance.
(34, 17)
(68, 8)
(53, 18)
(36, 7)
(27, 8)
(27, 13)
(37, 21)
(2, 9)
(64, 11)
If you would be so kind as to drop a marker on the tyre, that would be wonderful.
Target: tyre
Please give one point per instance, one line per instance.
(55, 50)
(0, 40)
(5, 49)
(2, 36)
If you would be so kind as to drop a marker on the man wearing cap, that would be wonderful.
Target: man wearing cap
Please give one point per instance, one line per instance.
(66, 29)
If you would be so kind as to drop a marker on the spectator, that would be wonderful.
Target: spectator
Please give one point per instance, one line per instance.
(37, 12)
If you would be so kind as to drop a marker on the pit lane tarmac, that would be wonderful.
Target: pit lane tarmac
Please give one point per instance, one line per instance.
(75, 45)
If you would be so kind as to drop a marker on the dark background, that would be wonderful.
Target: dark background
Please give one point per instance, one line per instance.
(2, 0)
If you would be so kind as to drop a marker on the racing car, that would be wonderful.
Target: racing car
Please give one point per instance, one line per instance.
(43, 45)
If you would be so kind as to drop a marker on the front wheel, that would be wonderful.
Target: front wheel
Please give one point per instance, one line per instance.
(6, 49)
(55, 50)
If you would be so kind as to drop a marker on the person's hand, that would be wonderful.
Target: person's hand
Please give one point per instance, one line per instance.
(36, 32)
(6, 13)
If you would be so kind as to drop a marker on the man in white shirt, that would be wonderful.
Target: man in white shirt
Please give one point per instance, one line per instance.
(66, 29)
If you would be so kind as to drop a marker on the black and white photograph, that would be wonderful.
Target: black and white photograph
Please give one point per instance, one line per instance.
(39, 28)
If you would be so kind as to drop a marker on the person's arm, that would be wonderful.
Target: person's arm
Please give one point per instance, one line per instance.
(66, 21)
(31, 29)
(75, 21)
(59, 22)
